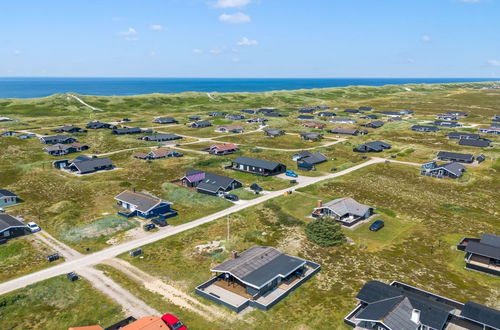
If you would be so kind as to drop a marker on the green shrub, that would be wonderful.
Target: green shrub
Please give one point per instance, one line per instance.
(325, 232)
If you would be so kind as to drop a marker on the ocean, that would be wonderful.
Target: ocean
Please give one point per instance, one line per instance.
(40, 87)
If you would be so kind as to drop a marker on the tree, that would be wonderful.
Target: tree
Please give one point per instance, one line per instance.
(325, 232)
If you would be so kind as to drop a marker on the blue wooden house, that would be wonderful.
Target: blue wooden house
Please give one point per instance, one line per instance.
(7, 198)
(144, 205)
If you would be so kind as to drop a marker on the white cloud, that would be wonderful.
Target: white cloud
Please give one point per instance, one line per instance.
(247, 42)
(236, 18)
(156, 27)
(425, 38)
(197, 51)
(494, 62)
(216, 51)
(231, 3)
(130, 34)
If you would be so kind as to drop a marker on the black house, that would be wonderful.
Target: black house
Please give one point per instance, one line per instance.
(374, 124)
(482, 254)
(11, 227)
(165, 120)
(68, 129)
(480, 143)
(209, 183)
(375, 146)
(99, 125)
(399, 306)
(127, 130)
(257, 166)
(455, 157)
(424, 128)
(463, 135)
(55, 139)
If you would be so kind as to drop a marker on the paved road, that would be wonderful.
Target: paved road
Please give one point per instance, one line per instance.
(108, 253)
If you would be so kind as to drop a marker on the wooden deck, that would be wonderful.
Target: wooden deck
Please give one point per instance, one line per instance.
(233, 287)
(483, 262)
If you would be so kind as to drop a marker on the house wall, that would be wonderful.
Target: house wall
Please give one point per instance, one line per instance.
(7, 201)
(164, 208)
(13, 232)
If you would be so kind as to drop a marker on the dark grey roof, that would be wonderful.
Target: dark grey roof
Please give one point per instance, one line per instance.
(212, 182)
(7, 193)
(98, 124)
(265, 164)
(376, 145)
(391, 113)
(142, 201)
(7, 221)
(313, 159)
(365, 108)
(164, 120)
(259, 265)
(326, 114)
(463, 135)
(346, 205)
(86, 165)
(57, 138)
(424, 128)
(274, 131)
(305, 117)
(482, 314)
(394, 312)
(434, 311)
(454, 167)
(127, 130)
(202, 123)
(340, 120)
(303, 154)
(455, 155)
(343, 131)
(474, 143)
(167, 136)
(488, 246)
(375, 124)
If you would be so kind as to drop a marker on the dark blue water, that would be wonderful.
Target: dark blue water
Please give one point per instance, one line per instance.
(39, 87)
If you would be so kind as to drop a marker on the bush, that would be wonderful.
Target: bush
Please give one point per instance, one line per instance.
(325, 232)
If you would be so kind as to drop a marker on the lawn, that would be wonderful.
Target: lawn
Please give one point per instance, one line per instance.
(23, 255)
(258, 139)
(57, 303)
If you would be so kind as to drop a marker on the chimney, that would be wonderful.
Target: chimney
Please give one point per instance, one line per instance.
(235, 254)
(415, 316)
(319, 203)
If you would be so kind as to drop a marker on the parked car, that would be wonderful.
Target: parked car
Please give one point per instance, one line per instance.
(2, 210)
(72, 276)
(149, 226)
(33, 227)
(377, 225)
(231, 197)
(177, 154)
(291, 174)
(173, 322)
(159, 222)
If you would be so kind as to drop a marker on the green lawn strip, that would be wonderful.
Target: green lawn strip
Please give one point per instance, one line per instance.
(22, 256)
(57, 303)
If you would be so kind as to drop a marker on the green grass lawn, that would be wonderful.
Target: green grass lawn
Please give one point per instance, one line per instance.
(258, 139)
(57, 303)
(23, 255)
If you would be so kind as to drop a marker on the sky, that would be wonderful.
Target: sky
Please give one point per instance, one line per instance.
(250, 38)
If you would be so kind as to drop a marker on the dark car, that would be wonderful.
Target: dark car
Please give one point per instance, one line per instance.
(159, 222)
(72, 276)
(231, 197)
(377, 225)
(149, 226)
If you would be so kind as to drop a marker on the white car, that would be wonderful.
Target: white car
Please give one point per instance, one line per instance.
(33, 227)
(1, 210)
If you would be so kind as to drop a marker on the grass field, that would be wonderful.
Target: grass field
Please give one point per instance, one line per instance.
(57, 304)
(22, 256)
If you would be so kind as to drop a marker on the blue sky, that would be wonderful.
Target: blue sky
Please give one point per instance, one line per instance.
(250, 38)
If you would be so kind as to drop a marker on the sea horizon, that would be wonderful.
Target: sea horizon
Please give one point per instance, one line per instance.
(34, 87)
